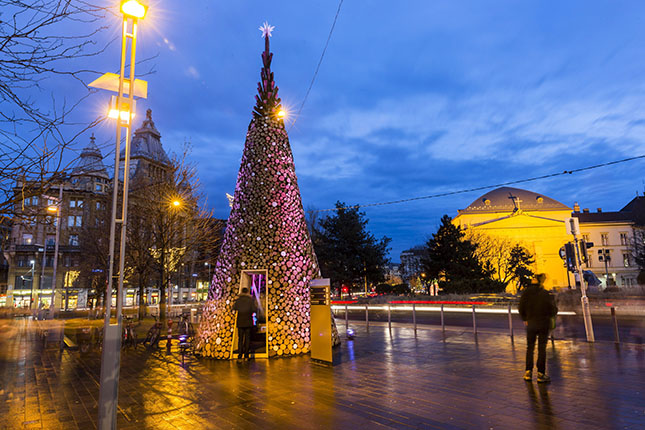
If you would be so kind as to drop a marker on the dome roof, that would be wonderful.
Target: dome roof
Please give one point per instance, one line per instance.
(508, 199)
(91, 161)
(146, 142)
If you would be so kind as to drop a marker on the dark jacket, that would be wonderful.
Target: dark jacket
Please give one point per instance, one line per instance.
(537, 306)
(245, 306)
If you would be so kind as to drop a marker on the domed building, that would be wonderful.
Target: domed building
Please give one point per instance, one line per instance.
(533, 220)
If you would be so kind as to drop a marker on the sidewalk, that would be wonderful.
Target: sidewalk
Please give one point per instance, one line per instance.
(381, 381)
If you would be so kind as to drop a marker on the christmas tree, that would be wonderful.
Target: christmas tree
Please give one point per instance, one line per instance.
(266, 244)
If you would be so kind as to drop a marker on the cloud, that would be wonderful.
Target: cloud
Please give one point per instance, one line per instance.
(192, 72)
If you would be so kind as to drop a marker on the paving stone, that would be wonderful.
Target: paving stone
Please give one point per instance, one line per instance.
(381, 379)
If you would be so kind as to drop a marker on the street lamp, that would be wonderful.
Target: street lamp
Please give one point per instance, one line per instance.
(31, 298)
(58, 209)
(123, 110)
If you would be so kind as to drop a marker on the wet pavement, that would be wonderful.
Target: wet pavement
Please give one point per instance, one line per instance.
(380, 380)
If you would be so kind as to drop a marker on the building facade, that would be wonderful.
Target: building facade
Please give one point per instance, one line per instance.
(86, 201)
(612, 234)
(32, 241)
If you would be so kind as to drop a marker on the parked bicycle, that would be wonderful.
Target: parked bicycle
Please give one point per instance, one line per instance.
(152, 338)
(186, 327)
(129, 336)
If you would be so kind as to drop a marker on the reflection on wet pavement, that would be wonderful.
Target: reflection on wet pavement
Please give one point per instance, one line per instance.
(380, 379)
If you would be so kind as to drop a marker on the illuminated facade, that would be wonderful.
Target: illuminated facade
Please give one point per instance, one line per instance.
(30, 249)
(266, 244)
(530, 219)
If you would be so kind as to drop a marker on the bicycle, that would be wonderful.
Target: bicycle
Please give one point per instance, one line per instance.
(153, 335)
(186, 327)
(186, 337)
(129, 336)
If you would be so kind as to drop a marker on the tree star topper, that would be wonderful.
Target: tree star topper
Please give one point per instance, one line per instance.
(266, 29)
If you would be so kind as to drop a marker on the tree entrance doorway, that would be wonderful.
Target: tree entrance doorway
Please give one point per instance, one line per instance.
(256, 282)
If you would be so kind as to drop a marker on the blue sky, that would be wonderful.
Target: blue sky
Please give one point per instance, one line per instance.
(413, 98)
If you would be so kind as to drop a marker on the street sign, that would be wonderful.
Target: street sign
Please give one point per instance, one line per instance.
(572, 225)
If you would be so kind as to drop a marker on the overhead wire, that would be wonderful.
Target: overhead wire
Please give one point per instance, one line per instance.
(484, 187)
(322, 56)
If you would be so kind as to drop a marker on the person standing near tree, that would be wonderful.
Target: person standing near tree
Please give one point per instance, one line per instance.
(537, 307)
(245, 306)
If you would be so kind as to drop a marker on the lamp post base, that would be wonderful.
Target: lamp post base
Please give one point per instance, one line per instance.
(110, 367)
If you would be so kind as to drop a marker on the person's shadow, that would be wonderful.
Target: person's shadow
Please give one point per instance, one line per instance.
(541, 406)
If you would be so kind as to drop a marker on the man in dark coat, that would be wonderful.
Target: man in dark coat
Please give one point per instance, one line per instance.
(245, 306)
(536, 308)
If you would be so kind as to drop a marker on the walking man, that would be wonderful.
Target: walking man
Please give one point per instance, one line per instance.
(245, 306)
(537, 307)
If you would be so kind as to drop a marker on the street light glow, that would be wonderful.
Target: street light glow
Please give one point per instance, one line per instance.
(133, 9)
(52, 208)
(114, 112)
(282, 113)
(176, 203)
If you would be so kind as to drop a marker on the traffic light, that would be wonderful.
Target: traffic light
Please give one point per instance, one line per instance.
(570, 252)
(584, 245)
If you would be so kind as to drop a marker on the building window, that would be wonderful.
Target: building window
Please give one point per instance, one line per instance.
(76, 203)
(51, 241)
(624, 239)
(99, 187)
(31, 201)
(27, 239)
(73, 239)
(585, 237)
(22, 261)
(74, 221)
(604, 239)
(626, 260)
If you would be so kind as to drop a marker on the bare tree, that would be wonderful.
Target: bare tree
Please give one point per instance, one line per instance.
(505, 259)
(181, 229)
(40, 43)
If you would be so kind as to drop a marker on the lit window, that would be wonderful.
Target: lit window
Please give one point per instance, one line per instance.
(27, 239)
(626, 260)
(623, 238)
(604, 239)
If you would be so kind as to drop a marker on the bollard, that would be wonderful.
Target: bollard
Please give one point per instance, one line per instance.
(443, 326)
(414, 317)
(510, 322)
(389, 317)
(474, 321)
(367, 318)
(346, 318)
(615, 321)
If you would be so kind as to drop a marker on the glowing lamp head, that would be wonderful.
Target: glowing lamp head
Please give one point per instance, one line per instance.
(125, 113)
(282, 113)
(52, 209)
(176, 203)
(133, 8)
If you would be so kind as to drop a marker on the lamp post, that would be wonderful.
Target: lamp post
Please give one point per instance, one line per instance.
(123, 111)
(604, 255)
(58, 209)
(208, 283)
(31, 297)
